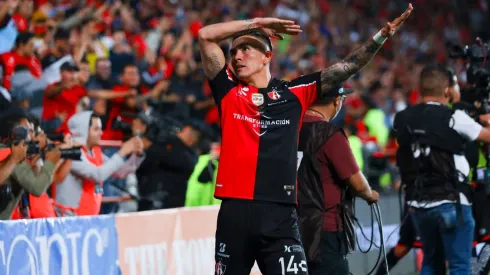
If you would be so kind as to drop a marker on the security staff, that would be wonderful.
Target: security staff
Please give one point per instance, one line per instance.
(327, 174)
(434, 170)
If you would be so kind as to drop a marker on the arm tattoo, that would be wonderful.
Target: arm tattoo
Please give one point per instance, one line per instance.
(352, 64)
(250, 27)
(214, 65)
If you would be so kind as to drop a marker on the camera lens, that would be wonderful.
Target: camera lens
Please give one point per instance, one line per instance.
(73, 154)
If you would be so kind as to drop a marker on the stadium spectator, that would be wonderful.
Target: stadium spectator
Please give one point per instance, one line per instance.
(21, 57)
(64, 96)
(80, 193)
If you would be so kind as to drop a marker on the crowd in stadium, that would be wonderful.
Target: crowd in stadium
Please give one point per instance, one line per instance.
(136, 65)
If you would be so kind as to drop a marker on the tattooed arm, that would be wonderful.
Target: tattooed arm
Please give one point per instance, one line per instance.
(353, 63)
(357, 59)
(210, 36)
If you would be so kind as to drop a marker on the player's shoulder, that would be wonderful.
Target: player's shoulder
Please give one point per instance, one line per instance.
(304, 79)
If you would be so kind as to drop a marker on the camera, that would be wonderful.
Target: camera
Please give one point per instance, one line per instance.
(476, 99)
(478, 75)
(121, 125)
(159, 127)
(73, 153)
(20, 133)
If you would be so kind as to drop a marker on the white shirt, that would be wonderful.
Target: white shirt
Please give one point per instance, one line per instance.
(468, 129)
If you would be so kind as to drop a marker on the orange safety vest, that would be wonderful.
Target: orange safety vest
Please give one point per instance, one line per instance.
(41, 207)
(91, 199)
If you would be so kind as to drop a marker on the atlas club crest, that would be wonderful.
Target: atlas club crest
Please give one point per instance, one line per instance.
(274, 95)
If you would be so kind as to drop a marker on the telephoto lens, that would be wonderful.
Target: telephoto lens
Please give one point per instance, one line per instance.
(73, 153)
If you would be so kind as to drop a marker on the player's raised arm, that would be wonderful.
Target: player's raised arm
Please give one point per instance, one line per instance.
(210, 36)
(357, 59)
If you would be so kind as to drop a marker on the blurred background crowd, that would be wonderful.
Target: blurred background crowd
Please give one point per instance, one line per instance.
(136, 64)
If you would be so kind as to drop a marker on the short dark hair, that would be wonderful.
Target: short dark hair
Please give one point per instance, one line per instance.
(10, 119)
(94, 115)
(433, 80)
(129, 65)
(23, 38)
(61, 34)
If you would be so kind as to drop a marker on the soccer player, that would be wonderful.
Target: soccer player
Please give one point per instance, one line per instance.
(260, 118)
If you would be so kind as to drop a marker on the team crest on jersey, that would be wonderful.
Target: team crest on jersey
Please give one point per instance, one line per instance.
(274, 95)
(220, 268)
(258, 99)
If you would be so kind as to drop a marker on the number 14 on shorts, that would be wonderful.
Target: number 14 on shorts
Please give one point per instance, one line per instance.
(292, 266)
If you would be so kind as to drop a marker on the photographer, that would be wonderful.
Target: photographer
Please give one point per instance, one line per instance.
(80, 193)
(163, 176)
(10, 158)
(18, 132)
(435, 172)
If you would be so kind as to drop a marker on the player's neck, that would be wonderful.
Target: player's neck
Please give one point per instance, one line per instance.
(321, 111)
(439, 99)
(260, 79)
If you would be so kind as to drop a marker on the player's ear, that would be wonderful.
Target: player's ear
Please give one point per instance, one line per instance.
(337, 101)
(268, 57)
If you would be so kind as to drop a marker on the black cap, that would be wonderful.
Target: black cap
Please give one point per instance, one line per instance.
(62, 33)
(23, 38)
(258, 34)
(338, 90)
(69, 66)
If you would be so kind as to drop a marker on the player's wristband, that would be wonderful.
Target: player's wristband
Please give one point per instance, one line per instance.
(380, 39)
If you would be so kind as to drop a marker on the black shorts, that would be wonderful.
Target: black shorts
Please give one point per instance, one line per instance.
(250, 231)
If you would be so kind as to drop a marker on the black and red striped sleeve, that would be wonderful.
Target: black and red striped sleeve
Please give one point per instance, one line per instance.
(222, 83)
(306, 88)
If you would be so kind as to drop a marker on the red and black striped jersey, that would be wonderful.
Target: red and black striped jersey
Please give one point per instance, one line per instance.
(259, 135)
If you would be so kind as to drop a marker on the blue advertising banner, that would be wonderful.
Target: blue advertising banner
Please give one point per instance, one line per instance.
(61, 246)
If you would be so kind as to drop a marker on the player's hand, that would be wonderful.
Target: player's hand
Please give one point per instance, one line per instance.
(274, 27)
(373, 198)
(393, 26)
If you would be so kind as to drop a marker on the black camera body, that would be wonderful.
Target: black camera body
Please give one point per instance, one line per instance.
(72, 153)
(478, 73)
(161, 128)
(19, 133)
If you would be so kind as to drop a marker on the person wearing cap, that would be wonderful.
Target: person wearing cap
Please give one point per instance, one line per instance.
(260, 117)
(328, 176)
(61, 98)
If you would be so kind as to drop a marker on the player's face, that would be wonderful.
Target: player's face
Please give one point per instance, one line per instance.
(248, 56)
